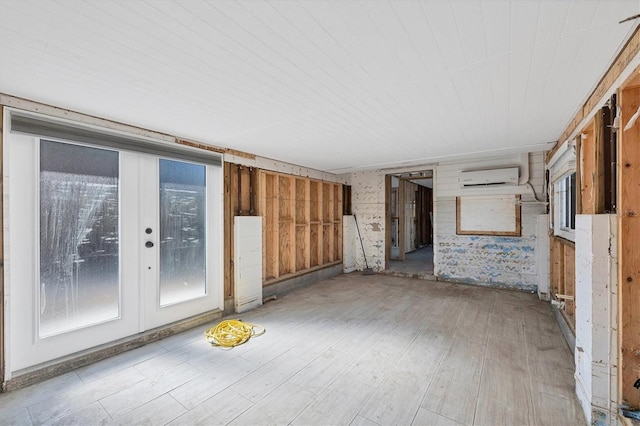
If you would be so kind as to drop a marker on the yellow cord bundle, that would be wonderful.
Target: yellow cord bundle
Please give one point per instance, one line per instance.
(230, 333)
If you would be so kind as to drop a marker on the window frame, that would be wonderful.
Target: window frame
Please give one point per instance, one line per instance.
(564, 202)
(561, 167)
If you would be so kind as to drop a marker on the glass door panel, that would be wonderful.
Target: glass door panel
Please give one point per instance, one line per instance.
(79, 237)
(179, 230)
(104, 244)
(182, 231)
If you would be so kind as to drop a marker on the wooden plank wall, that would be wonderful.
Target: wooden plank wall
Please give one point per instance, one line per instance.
(302, 224)
(629, 247)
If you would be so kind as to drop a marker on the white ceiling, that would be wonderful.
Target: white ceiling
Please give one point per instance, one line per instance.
(332, 85)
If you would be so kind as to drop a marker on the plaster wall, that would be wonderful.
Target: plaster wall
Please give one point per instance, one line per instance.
(596, 314)
(496, 261)
(510, 262)
(368, 205)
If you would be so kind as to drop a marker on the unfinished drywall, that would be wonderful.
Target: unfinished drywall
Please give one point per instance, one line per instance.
(596, 313)
(497, 261)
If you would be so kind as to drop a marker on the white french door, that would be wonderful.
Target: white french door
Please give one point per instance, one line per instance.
(176, 239)
(104, 243)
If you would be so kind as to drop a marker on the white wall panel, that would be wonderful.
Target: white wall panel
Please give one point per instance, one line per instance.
(248, 262)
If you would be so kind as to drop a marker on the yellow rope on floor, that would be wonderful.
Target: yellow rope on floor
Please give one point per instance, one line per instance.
(230, 333)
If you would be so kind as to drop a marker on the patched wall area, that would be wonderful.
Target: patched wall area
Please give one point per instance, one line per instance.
(498, 261)
(491, 260)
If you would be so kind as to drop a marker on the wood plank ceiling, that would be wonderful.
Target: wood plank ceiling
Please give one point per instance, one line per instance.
(332, 85)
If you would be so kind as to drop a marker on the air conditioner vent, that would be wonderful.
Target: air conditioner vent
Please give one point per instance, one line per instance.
(492, 177)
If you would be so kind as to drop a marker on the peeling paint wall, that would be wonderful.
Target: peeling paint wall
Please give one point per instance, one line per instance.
(496, 261)
(510, 262)
(596, 355)
(368, 205)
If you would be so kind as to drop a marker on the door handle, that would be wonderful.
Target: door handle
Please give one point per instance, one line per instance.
(148, 244)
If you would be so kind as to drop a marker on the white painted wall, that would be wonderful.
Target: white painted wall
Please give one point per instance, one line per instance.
(368, 204)
(247, 262)
(499, 261)
(596, 314)
(349, 241)
(543, 252)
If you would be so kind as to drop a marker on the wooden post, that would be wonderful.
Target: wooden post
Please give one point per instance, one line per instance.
(387, 220)
(228, 233)
(579, 170)
(629, 249)
(598, 172)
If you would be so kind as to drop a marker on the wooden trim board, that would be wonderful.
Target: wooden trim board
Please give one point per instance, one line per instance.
(464, 227)
(629, 249)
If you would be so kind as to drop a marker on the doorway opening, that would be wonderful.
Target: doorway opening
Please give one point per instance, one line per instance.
(409, 213)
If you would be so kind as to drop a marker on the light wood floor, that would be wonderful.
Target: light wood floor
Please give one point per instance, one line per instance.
(359, 350)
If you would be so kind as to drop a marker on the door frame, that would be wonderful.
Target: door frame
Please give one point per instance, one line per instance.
(215, 206)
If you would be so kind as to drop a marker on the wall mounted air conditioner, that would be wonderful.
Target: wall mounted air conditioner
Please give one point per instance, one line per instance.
(492, 177)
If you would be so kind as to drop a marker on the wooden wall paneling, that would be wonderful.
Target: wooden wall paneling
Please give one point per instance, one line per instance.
(598, 172)
(301, 248)
(563, 276)
(315, 231)
(629, 248)
(337, 221)
(301, 205)
(228, 233)
(579, 179)
(302, 225)
(245, 181)
(315, 237)
(569, 280)
(271, 255)
(307, 219)
(588, 170)
(327, 243)
(327, 222)
(321, 254)
(557, 266)
(286, 242)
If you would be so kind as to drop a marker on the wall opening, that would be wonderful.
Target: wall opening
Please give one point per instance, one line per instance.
(409, 213)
